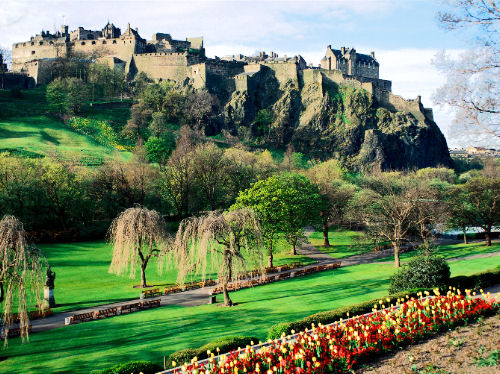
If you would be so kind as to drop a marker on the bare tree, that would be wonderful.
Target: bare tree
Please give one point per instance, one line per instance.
(473, 79)
(210, 168)
(137, 235)
(387, 208)
(20, 270)
(179, 176)
(225, 243)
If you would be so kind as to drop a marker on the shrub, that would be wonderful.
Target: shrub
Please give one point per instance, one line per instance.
(421, 272)
(226, 344)
(16, 93)
(133, 367)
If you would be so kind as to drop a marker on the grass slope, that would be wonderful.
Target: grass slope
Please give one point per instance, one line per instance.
(25, 126)
(151, 334)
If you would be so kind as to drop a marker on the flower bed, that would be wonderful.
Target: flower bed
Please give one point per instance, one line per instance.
(339, 346)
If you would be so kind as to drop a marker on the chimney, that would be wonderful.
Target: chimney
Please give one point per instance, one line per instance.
(329, 47)
(372, 54)
(342, 50)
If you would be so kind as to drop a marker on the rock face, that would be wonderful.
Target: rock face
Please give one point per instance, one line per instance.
(325, 115)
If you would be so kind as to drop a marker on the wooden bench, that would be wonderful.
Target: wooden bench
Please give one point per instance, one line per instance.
(152, 293)
(170, 290)
(129, 308)
(13, 332)
(83, 317)
(150, 303)
(105, 313)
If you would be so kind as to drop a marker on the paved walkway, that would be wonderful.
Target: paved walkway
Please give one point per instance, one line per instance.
(201, 296)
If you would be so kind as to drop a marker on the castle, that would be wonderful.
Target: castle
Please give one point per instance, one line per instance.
(184, 61)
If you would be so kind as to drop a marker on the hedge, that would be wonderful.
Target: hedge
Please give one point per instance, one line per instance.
(476, 281)
(133, 367)
(226, 344)
(331, 316)
(472, 282)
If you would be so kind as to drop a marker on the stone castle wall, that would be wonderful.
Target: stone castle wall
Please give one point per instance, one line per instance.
(285, 72)
(28, 51)
(164, 66)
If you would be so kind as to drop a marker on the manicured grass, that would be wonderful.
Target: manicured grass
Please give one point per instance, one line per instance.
(343, 242)
(151, 334)
(453, 251)
(82, 278)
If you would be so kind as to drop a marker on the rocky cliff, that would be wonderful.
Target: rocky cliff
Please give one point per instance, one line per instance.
(327, 115)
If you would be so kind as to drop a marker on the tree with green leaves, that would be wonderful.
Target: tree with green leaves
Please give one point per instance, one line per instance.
(284, 204)
(335, 193)
(67, 96)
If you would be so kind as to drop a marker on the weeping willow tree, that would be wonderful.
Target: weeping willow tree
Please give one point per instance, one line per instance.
(226, 243)
(137, 235)
(21, 273)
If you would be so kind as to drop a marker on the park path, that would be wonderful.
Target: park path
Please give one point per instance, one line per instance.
(201, 296)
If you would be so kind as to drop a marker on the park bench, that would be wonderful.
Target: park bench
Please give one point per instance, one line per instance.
(150, 303)
(129, 308)
(152, 293)
(13, 332)
(83, 317)
(172, 289)
(284, 276)
(105, 313)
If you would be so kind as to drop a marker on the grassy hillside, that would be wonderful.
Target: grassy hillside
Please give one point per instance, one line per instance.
(26, 129)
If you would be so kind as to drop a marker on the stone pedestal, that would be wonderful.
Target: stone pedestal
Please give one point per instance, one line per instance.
(48, 297)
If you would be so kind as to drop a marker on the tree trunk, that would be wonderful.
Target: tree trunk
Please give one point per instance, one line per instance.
(294, 248)
(326, 241)
(487, 235)
(1, 292)
(143, 275)
(227, 299)
(396, 255)
(270, 258)
(465, 235)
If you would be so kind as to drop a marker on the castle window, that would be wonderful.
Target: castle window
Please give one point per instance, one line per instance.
(32, 52)
(104, 42)
(17, 45)
(93, 42)
(32, 43)
(40, 43)
(82, 43)
(24, 44)
(114, 41)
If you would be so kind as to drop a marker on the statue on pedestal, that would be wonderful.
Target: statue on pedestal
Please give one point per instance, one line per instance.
(48, 289)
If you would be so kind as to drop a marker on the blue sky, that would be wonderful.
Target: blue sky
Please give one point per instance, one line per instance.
(404, 34)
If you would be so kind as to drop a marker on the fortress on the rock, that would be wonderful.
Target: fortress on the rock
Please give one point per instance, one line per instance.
(185, 62)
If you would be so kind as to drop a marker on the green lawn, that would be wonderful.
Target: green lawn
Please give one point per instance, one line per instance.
(453, 250)
(82, 278)
(343, 242)
(151, 334)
